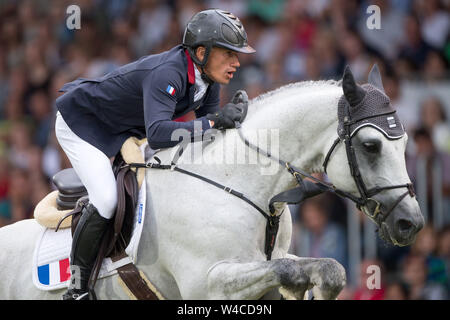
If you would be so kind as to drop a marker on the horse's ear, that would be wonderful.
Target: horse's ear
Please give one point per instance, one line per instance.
(375, 78)
(352, 91)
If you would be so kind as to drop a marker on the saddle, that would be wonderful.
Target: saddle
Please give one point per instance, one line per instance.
(73, 195)
(70, 189)
(70, 198)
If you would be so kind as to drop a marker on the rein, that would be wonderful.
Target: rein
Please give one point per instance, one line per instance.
(272, 219)
(305, 189)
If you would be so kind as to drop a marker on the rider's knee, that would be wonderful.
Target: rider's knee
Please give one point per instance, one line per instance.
(106, 204)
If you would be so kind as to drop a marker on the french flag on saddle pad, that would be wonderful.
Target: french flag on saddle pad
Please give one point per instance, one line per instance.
(170, 90)
(54, 272)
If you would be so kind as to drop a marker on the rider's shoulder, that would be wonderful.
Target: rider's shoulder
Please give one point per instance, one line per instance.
(168, 68)
(172, 58)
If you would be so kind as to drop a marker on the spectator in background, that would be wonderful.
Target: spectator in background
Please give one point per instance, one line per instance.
(269, 11)
(42, 115)
(426, 245)
(414, 273)
(396, 290)
(443, 246)
(4, 176)
(435, 22)
(385, 40)
(443, 251)
(413, 51)
(20, 144)
(154, 18)
(434, 68)
(434, 119)
(369, 287)
(430, 159)
(356, 57)
(14, 104)
(324, 48)
(405, 109)
(314, 235)
(36, 68)
(17, 205)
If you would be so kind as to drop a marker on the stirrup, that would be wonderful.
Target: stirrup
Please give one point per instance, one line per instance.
(74, 294)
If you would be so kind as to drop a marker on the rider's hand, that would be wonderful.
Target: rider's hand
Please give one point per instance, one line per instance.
(232, 112)
(226, 117)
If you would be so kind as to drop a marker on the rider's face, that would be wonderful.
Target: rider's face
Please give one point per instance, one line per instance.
(221, 65)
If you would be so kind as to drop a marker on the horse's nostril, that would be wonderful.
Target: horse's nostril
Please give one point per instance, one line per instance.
(404, 225)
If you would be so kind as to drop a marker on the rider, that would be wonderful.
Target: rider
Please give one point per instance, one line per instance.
(95, 117)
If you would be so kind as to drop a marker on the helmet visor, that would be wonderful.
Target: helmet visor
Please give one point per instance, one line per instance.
(243, 49)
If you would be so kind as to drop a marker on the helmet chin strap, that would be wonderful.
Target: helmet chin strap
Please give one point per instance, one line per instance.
(202, 63)
(205, 77)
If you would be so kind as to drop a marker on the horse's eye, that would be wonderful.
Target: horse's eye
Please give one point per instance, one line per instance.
(372, 146)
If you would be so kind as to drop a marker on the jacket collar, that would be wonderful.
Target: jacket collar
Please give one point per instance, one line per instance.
(191, 72)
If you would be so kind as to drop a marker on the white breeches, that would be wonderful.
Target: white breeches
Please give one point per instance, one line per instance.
(92, 166)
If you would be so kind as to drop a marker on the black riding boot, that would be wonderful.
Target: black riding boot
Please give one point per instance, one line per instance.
(85, 246)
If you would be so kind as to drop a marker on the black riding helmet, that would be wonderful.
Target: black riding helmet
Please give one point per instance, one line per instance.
(215, 28)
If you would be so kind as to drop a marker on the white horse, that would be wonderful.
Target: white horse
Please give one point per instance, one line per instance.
(200, 242)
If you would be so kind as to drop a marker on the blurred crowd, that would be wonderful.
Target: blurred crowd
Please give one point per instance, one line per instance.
(295, 40)
(418, 272)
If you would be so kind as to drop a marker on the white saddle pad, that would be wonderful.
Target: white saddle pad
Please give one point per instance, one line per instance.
(51, 254)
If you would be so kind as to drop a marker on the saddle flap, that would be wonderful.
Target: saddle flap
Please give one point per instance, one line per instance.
(53, 248)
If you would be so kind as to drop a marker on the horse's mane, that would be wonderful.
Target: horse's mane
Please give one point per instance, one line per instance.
(297, 85)
(301, 89)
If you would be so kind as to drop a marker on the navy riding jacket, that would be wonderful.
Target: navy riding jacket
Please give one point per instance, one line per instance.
(139, 99)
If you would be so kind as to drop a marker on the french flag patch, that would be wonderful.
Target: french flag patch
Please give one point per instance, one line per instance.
(170, 90)
(54, 272)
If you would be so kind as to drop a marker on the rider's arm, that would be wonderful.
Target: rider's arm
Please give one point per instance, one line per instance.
(161, 91)
(211, 103)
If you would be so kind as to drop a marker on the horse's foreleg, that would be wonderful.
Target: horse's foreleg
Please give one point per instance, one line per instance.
(327, 276)
(251, 280)
(294, 276)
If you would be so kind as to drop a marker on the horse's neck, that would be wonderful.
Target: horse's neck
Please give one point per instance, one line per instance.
(297, 125)
(305, 115)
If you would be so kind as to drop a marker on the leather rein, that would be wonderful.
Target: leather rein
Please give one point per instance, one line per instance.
(305, 189)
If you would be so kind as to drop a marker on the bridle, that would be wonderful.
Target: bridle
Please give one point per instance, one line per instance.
(305, 189)
(366, 195)
(378, 215)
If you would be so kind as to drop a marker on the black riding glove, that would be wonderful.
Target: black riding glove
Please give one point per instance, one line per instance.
(232, 112)
(240, 99)
(226, 117)
(240, 96)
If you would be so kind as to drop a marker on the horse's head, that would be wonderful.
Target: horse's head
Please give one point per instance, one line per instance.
(368, 164)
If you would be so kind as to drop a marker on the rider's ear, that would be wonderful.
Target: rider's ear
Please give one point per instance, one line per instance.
(200, 52)
(375, 78)
(352, 92)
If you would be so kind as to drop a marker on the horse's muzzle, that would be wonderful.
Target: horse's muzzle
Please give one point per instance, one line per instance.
(405, 227)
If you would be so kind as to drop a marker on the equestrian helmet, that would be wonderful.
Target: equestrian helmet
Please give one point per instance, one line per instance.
(215, 28)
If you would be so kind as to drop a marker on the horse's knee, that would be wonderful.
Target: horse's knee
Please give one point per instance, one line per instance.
(332, 276)
(290, 274)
